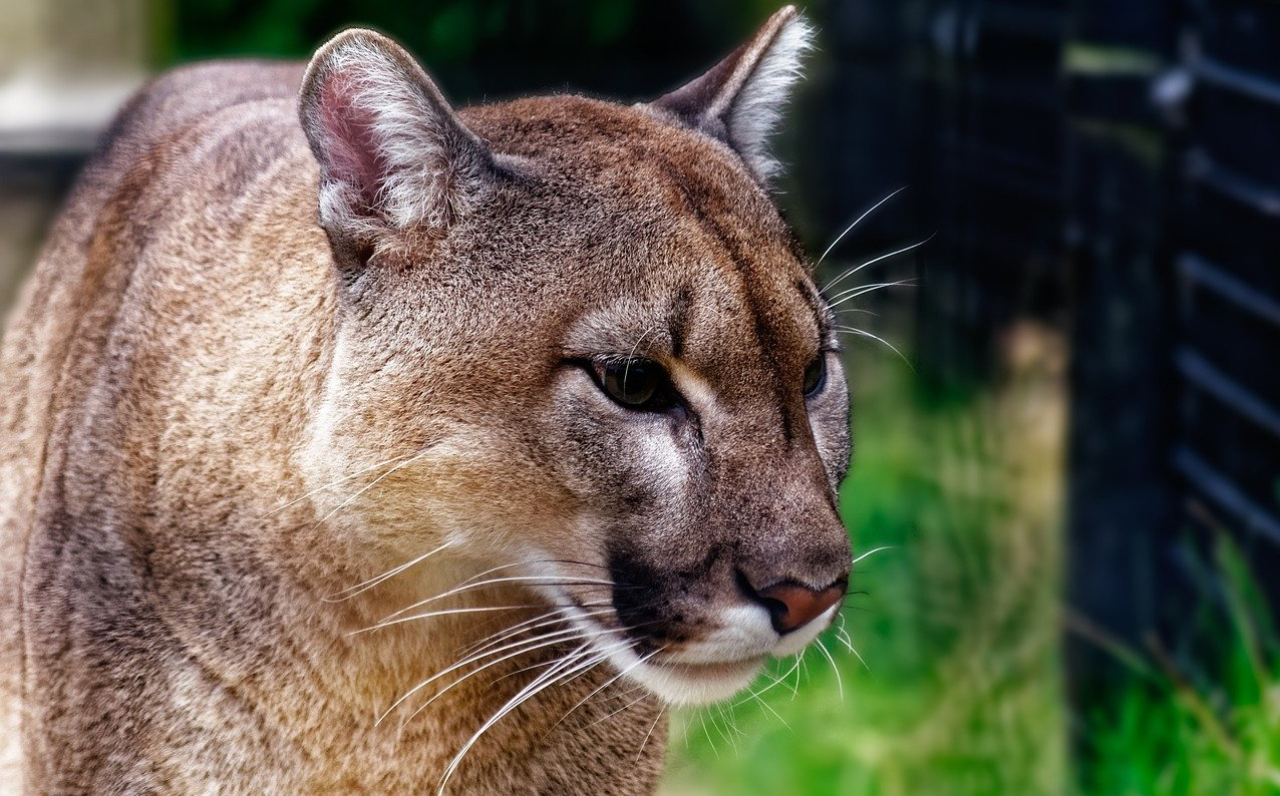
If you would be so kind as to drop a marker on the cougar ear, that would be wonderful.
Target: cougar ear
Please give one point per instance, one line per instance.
(393, 155)
(741, 99)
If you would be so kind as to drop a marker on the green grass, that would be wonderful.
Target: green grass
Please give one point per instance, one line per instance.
(957, 622)
(1179, 729)
(960, 624)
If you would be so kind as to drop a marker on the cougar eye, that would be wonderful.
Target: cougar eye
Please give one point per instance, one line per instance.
(815, 376)
(639, 384)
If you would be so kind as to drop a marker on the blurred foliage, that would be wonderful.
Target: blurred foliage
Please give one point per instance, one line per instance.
(1184, 729)
(958, 620)
(491, 46)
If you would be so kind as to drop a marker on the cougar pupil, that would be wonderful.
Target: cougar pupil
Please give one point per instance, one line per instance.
(636, 383)
(815, 376)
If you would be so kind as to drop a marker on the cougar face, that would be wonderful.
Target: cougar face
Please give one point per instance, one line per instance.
(591, 355)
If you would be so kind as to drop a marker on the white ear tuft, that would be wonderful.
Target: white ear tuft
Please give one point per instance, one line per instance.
(756, 113)
(392, 153)
(741, 99)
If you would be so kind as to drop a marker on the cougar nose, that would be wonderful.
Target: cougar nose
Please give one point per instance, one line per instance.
(793, 605)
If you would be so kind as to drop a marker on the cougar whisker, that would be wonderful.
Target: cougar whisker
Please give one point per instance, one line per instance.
(540, 683)
(855, 223)
(661, 712)
(638, 662)
(861, 290)
(703, 719)
(630, 704)
(558, 614)
(871, 552)
(563, 615)
(827, 654)
(520, 647)
(615, 646)
(874, 260)
(862, 333)
(334, 483)
(369, 486)
(476, 671)
(442, 612)
(550, 617)
(758, 695)
(361, 588)
(546, 580)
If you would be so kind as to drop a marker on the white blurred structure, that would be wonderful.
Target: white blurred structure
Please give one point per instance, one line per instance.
(65, 67)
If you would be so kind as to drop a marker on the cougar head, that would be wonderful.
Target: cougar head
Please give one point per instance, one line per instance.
(588, 353)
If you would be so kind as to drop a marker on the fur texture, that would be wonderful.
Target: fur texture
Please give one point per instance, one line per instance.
(304, 408)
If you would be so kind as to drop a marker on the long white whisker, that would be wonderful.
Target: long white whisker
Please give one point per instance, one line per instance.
(881, 258)
(474, 672)
(860, 290)
(553, 579)
(703, 719)
(521, 647)
(607, 683)
(858, 655)
(856, 222)
(336, 482)
(843, 635)
(369, 486)
(721, 732)
(759, 697)
(360, 588)
(442, 612)
(774, 683)
(548, 678)
(561, 615)
(872, 551)
(826, 654)
(549, 617)
(861, 333)
(631, 704)
(649, 734)
(607, 649)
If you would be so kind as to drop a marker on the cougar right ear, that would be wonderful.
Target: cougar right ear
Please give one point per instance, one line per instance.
(393, 155)
(741, 99)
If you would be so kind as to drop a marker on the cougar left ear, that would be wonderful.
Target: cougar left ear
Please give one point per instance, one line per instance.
(393, 155)
(741, 99)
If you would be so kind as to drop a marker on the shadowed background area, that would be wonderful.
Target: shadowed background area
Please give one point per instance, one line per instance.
(1067, 409)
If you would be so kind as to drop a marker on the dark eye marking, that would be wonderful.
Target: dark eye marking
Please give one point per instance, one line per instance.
(815, 376)
(635, 383)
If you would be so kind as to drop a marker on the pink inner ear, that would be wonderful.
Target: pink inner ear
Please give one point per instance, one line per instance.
(351, 145)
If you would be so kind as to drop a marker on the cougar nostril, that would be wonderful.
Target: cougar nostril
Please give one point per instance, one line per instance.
(792, 605)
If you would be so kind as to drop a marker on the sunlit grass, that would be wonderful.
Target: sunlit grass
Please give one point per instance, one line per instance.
(960, 624)
(957, 622)
(1212, 727)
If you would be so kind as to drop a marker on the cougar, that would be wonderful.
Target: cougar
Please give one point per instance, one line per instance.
(355, 444)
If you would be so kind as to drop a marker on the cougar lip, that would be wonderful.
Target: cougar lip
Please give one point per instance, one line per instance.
(714, 668)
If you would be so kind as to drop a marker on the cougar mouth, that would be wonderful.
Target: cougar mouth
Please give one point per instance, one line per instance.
(700, 672)
(686, 683)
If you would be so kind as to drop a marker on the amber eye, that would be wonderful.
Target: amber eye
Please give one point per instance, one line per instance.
(815, 376)
(640, 384)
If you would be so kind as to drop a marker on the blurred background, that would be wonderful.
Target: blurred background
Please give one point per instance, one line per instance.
(1067, 400)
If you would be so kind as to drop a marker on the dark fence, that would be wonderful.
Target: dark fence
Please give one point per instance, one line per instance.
(1112, 168)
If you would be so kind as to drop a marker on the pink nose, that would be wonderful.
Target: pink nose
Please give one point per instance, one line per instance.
(792, 605)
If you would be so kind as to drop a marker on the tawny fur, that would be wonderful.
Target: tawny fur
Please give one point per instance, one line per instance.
(214, 347)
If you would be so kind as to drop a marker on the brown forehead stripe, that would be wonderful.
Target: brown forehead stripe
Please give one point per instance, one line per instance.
(709, 207)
